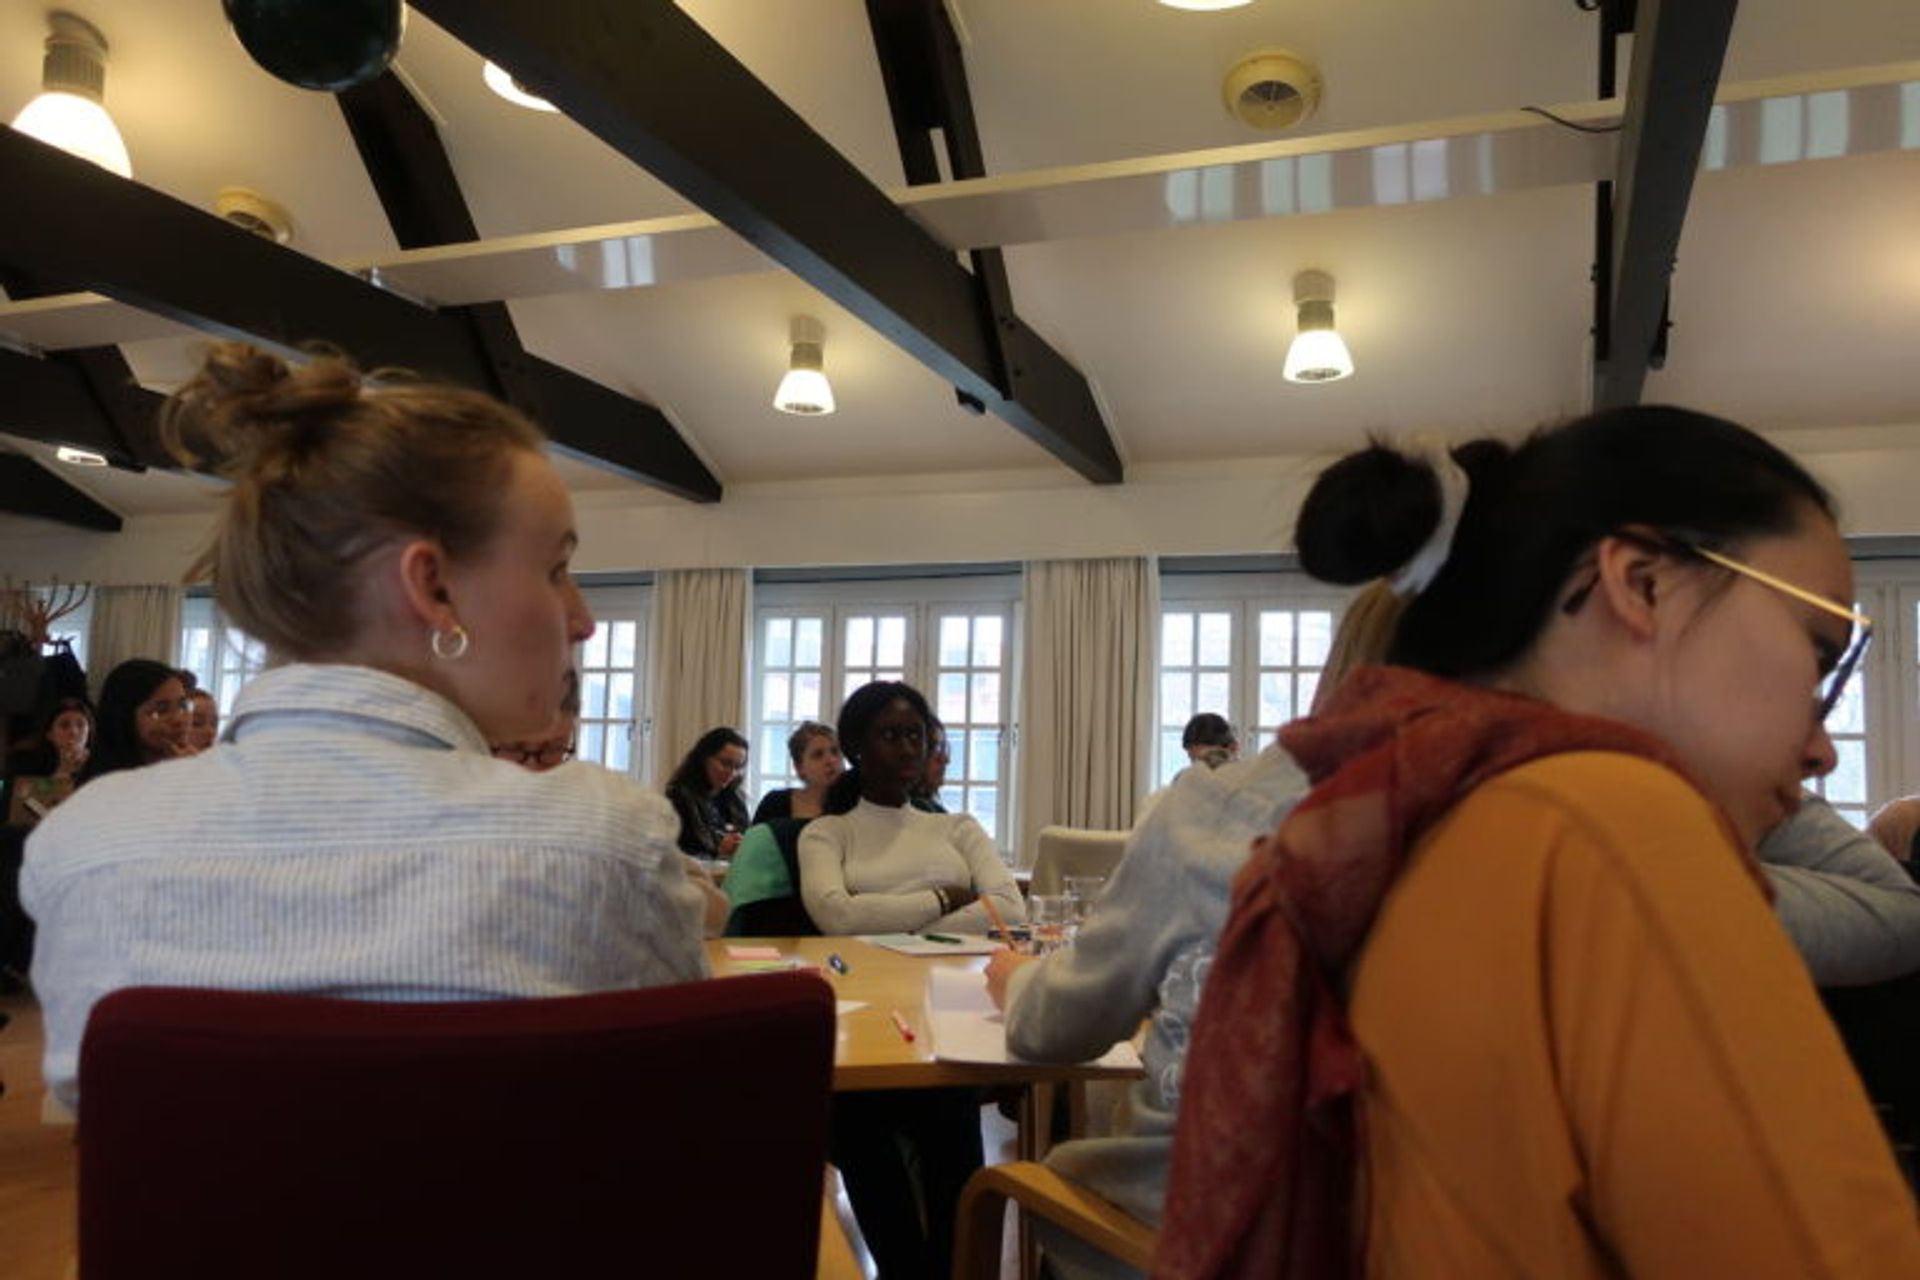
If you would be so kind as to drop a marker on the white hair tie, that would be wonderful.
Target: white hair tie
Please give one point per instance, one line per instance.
(1419, 572)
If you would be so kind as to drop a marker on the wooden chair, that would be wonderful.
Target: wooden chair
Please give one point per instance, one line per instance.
(1041, 1193)
(670, 1131)
(1068, 851)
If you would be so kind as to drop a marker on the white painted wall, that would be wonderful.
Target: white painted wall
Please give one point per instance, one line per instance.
(1166, 509)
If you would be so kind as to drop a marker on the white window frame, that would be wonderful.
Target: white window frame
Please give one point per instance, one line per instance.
(1243, 596)
(613, 605)
(220, 655)
(923, 602)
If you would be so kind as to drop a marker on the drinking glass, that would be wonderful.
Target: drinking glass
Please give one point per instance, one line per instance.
(1084, 890)
(1051, 915)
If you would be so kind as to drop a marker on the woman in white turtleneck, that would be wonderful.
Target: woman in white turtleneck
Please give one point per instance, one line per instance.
(875, 864)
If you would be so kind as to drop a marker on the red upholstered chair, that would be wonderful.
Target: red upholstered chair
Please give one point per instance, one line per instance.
(676, 1131)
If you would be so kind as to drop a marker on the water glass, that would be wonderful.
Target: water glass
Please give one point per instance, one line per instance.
(1051, 916)
(1084, 890)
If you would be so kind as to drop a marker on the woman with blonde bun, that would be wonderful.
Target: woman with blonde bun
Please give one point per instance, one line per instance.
(403, 549)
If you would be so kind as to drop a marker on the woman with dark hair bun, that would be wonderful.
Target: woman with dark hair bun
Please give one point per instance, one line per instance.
(876, 864)
(143, 719)
(1517, 928)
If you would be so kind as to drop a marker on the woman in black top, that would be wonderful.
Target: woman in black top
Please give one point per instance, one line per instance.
(705, 791)
(815, 750)
(142, 720)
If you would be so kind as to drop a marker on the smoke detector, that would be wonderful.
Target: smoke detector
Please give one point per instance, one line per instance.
(251, 211)
(1271, 89)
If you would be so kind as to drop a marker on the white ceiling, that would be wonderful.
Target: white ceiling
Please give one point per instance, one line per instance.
(1796, 303)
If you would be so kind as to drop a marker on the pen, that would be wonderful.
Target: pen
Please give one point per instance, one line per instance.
(835, 963)
(942, 937)
(900, 1025)
(1006, 938)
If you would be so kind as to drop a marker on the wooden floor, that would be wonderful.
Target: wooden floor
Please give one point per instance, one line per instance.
(37, 1168)
(38, 1183)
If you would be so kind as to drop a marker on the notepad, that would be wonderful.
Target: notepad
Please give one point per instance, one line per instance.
(912, 944)
(753, 953)
(965, 1027)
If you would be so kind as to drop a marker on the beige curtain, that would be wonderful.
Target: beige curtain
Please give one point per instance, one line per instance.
(131, 622)
(1087, 698)
(699, 649)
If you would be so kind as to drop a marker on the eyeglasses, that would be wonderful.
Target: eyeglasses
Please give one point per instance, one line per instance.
(546, 755)
(1836, 670)
(161, 710)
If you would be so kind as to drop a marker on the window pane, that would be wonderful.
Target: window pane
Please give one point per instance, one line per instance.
(859, 642)
(986, 641)
(953, 642)
(593, 695)
(806, 695)
(776, 697)
(1276, 638)
(1172, 757)
(986, 698)
(1276, 702)
(1847, 784)
(1216, 639)
(779, 642)
(620, 706)
(1176, 640)
(1316, 636)
(806, 642)
(893, 642)
(957, 756)
(772, 756)
(984, 804)
(1849, 714)
(592, 738)
(619, 749)
(594, 653)
(1308, 685)
(1176, 699)
(626, 643)
(984, 757)
(1214, 693)
(951, 705)
(953, 799)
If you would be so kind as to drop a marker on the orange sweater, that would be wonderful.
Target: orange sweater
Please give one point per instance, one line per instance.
(1593, 1053)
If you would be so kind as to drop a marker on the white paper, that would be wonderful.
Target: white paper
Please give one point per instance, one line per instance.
(841, 1008)
(912, 944)
(965, 1027)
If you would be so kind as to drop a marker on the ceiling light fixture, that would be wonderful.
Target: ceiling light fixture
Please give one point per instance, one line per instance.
(805, 389)
(1318, 354)
(80, 457)
(501, 81)
(1202, 5)
(70, 113)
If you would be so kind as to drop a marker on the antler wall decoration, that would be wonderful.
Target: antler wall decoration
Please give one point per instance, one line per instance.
(32, 610)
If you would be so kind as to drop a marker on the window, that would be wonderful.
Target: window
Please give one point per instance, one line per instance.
(949, 636)
(220, 655)
(615, 725)
(1245, 646)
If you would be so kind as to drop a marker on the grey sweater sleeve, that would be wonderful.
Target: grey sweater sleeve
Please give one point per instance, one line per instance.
(1851, 911)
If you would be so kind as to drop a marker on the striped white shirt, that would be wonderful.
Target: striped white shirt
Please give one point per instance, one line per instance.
(351, 836)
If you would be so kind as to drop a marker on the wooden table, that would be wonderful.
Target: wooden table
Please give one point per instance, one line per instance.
(868, 1052)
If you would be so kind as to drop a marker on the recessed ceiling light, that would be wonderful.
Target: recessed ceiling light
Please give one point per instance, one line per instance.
(1201, 5)
(80, 457)
(501, 81)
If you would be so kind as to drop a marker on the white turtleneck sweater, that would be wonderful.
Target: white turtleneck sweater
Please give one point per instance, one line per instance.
(872, 870)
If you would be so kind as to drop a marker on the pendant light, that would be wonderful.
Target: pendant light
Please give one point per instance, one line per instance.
(805, 389)
(70, 112)
(1318, 353)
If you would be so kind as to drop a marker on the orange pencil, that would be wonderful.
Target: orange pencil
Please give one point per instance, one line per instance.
(1006, 939)
(900, 1025)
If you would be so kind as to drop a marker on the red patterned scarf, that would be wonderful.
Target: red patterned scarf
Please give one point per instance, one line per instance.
(1264, 1161)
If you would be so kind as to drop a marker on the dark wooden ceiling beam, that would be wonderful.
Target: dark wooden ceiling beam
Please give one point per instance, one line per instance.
(118, 418)
(29, 489)
(414, 179)
(76, 222)
(1678, 49)
(643, 76)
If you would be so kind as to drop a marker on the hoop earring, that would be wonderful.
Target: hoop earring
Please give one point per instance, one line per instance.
(450, 644)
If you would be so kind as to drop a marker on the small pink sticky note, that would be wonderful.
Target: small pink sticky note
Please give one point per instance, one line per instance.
(753, 953)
